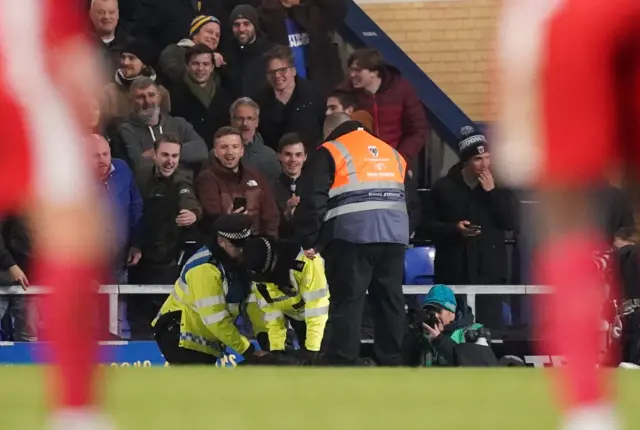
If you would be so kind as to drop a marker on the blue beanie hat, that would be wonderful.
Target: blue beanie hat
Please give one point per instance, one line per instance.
(441, 296)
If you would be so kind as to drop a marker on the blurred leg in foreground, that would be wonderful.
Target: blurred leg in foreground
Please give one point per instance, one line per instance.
(44, 80)
(567, 111)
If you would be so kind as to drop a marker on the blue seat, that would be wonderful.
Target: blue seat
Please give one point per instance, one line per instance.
(418, 265)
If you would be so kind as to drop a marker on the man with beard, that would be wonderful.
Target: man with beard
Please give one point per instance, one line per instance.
(136, 60)
(202, 98)
(244, 53)
(226, 185)
(292, 157)
(170, 209)
(136, 135)
(245, 116)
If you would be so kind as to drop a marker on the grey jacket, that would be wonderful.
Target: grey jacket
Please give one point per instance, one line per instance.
(137, 137)
(262, 158)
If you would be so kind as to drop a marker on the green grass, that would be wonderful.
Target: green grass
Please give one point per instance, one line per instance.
(322, 399)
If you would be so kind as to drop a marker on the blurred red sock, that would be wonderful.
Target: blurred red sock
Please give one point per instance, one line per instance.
(569, 320)
(69, 313)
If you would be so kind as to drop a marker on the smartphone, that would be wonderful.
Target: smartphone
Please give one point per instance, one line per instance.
(476, 228)
(239, 202)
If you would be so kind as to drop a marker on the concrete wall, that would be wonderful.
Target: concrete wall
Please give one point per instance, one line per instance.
(451, 40)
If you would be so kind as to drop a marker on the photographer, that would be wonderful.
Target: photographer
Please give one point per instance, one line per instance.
(450, 341)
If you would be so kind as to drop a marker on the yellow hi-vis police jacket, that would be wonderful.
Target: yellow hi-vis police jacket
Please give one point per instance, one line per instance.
(310, 304)
(209, 307)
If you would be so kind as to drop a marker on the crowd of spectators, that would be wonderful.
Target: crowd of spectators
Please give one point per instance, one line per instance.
(211, 107)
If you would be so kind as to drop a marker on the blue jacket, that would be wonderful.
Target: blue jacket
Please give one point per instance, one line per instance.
(126, 207)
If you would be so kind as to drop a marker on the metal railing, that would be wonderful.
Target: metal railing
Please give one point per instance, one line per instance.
(114, 291)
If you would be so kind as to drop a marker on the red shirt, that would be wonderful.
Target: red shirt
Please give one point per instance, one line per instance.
(42, 151)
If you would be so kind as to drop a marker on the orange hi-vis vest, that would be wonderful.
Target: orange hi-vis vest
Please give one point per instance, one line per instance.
(367, 198)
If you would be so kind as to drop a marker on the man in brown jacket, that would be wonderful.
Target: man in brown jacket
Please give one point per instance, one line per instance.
(225, 186)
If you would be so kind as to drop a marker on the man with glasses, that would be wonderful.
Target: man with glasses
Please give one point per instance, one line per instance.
(291, 104)
(245, 116)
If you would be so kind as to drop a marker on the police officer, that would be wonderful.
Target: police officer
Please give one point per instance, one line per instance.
(197, 320)
(289, 286)
(353, 207)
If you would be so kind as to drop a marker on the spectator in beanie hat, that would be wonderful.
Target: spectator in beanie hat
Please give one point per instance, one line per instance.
(448, 340)
(136, 60)
(471, 143)
(244, 53)
(467, 218)
(205, 30)
(442, 297)
(290, 288)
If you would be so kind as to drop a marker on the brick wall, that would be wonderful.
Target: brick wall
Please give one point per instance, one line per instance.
(451, 40)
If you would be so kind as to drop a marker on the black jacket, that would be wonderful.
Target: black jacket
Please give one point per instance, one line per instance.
(303, 114)
(15, 244)
(319, 19)
(283, 189)
(314, 185)
(205, 120)
(109, 53)
(478, 260)
(245, 67)
(627, 261)
(163, 199)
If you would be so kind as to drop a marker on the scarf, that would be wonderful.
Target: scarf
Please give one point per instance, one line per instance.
(203, 94)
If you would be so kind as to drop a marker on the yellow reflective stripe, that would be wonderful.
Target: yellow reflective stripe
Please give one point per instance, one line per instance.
(317, 312)
(360, 186)
(252, 298)
(364, 206)
(209, 301)
(272, 316)
(214, 318)
(315, 295)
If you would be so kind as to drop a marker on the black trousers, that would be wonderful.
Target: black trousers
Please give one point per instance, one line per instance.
(167, 336)
(143, 308)
(351, 270)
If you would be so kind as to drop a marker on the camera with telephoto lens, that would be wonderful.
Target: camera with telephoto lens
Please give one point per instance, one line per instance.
(427, 315)
(472, 335)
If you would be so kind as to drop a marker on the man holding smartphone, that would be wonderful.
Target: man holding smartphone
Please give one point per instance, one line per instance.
(226, 185)
(467, 219)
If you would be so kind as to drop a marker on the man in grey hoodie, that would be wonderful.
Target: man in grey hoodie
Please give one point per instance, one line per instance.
(245, 116)
(136, 135)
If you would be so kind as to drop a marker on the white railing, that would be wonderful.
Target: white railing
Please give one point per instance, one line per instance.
(471, 291)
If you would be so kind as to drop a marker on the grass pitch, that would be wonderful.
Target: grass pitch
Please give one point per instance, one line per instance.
(312, 399)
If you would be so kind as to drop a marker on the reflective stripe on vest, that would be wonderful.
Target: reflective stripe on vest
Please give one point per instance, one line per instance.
(378, 168)
(353, 183)
(367, 201)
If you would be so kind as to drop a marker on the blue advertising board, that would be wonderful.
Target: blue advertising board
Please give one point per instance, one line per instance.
(116, 354)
